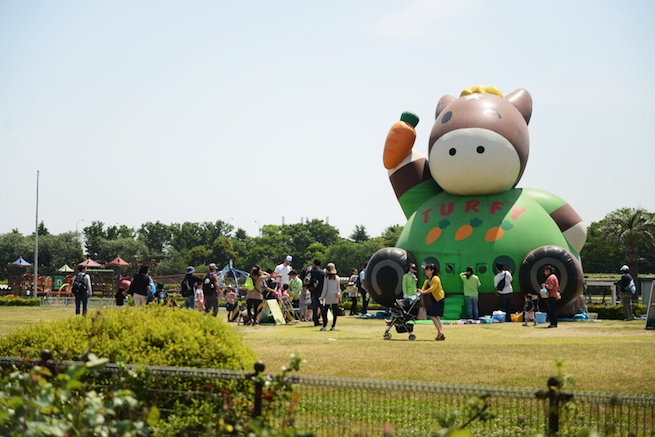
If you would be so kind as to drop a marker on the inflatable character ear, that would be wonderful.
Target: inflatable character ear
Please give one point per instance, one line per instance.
(522, 100)
(443, 102)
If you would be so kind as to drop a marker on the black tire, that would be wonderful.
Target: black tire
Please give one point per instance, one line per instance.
(384, 275)
(567, 269)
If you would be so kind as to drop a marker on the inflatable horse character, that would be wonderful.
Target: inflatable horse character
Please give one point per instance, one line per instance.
(463, 207)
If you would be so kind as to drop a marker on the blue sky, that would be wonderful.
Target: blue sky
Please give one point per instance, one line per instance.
(255, 112)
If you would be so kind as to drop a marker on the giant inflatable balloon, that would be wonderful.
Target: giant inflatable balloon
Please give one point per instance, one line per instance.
(463, 207)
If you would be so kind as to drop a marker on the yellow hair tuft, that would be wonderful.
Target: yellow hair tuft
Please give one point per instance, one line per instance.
(482, 89)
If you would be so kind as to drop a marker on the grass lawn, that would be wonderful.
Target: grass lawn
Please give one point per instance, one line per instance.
(611, 356)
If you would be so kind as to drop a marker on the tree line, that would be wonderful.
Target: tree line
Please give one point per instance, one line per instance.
(624, 236)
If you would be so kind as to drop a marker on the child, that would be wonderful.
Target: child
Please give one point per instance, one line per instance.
(305, 300)
(120, 297)
(200, 297)
(162, 295)
(231, 305)
(528, 311)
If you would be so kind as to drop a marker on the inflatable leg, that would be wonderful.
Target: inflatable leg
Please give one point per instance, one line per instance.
(384, 274)
(567, 269)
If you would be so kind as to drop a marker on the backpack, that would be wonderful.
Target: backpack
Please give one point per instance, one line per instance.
(501, 283)
(79, 284)
(208, 285)
(185, 288)
(631, 287)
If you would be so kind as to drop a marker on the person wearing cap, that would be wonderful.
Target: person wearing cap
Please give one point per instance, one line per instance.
(351, 290)
(210, 290)
(626, 293)
(282, 271)
(471, 285)
(330, 296)
(188, 287)
(409, 281)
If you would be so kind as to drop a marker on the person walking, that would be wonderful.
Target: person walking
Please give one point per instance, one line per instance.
(140, 286)
(503, 284)
(432, 288)
(552, 285)
(188, 287)
(627, 292)
(81, 290)
(330, 295)
(471, 294)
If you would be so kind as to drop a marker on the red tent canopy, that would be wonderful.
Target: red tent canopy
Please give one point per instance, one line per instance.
(118, 262)
(89, 263)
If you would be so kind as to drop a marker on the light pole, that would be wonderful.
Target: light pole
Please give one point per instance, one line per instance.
(259, 227)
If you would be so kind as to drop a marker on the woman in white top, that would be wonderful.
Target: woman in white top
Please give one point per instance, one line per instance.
(503, 284)
(331, 295)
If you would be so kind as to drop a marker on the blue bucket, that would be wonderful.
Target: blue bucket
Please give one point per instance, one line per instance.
(541, 317)
(499, 316)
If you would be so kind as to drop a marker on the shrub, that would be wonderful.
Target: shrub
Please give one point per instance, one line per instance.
(150, 335)
(615, 312)
(9, 301)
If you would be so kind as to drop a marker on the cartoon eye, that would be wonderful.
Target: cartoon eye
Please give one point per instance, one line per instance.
(452, 151)
(480, 149)
(446, 117)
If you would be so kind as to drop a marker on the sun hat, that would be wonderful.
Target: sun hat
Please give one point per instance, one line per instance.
(330, 269)
(212, 266)
(190, 270)
(625, 268)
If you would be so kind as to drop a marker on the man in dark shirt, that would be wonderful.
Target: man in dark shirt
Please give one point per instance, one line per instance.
(188, 287)
(315, 287)
(626, 294)
(210, 290)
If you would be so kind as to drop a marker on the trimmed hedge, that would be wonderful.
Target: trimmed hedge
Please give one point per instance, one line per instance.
(148, 335)
(615, 312)
(19, 302)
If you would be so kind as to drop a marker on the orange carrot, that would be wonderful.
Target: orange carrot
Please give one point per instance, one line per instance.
(495, 233)
(400, 140)
(463, 232)
(433, 235)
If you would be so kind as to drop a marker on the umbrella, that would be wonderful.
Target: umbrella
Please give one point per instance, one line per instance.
(118, 262)
(20, 262)
(65, 269)
(89, 263)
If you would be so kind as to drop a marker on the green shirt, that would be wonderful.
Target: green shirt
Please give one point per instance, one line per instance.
(471, 284)
(409, 285)
(295, 286)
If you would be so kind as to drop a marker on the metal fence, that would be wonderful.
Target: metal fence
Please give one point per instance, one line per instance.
(328, 406)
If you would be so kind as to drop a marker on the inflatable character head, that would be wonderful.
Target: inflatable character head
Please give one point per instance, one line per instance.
(479, 142)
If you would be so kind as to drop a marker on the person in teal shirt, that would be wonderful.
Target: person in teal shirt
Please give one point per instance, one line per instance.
(409, 281)
(471, 286)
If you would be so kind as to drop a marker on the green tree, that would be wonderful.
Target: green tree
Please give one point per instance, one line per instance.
(223, 251)
(94, 236)
(600, 254)
(390, 235)
(13, 245)
(359, 235)
(634, 230)
(156, 236)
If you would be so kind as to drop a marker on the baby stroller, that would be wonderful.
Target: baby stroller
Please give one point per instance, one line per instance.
(403, 312)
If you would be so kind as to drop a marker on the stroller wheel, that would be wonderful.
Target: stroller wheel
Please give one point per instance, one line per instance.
(387, 336)
(412, 337)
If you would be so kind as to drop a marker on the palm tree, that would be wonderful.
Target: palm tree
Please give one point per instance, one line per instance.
(633, 229)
